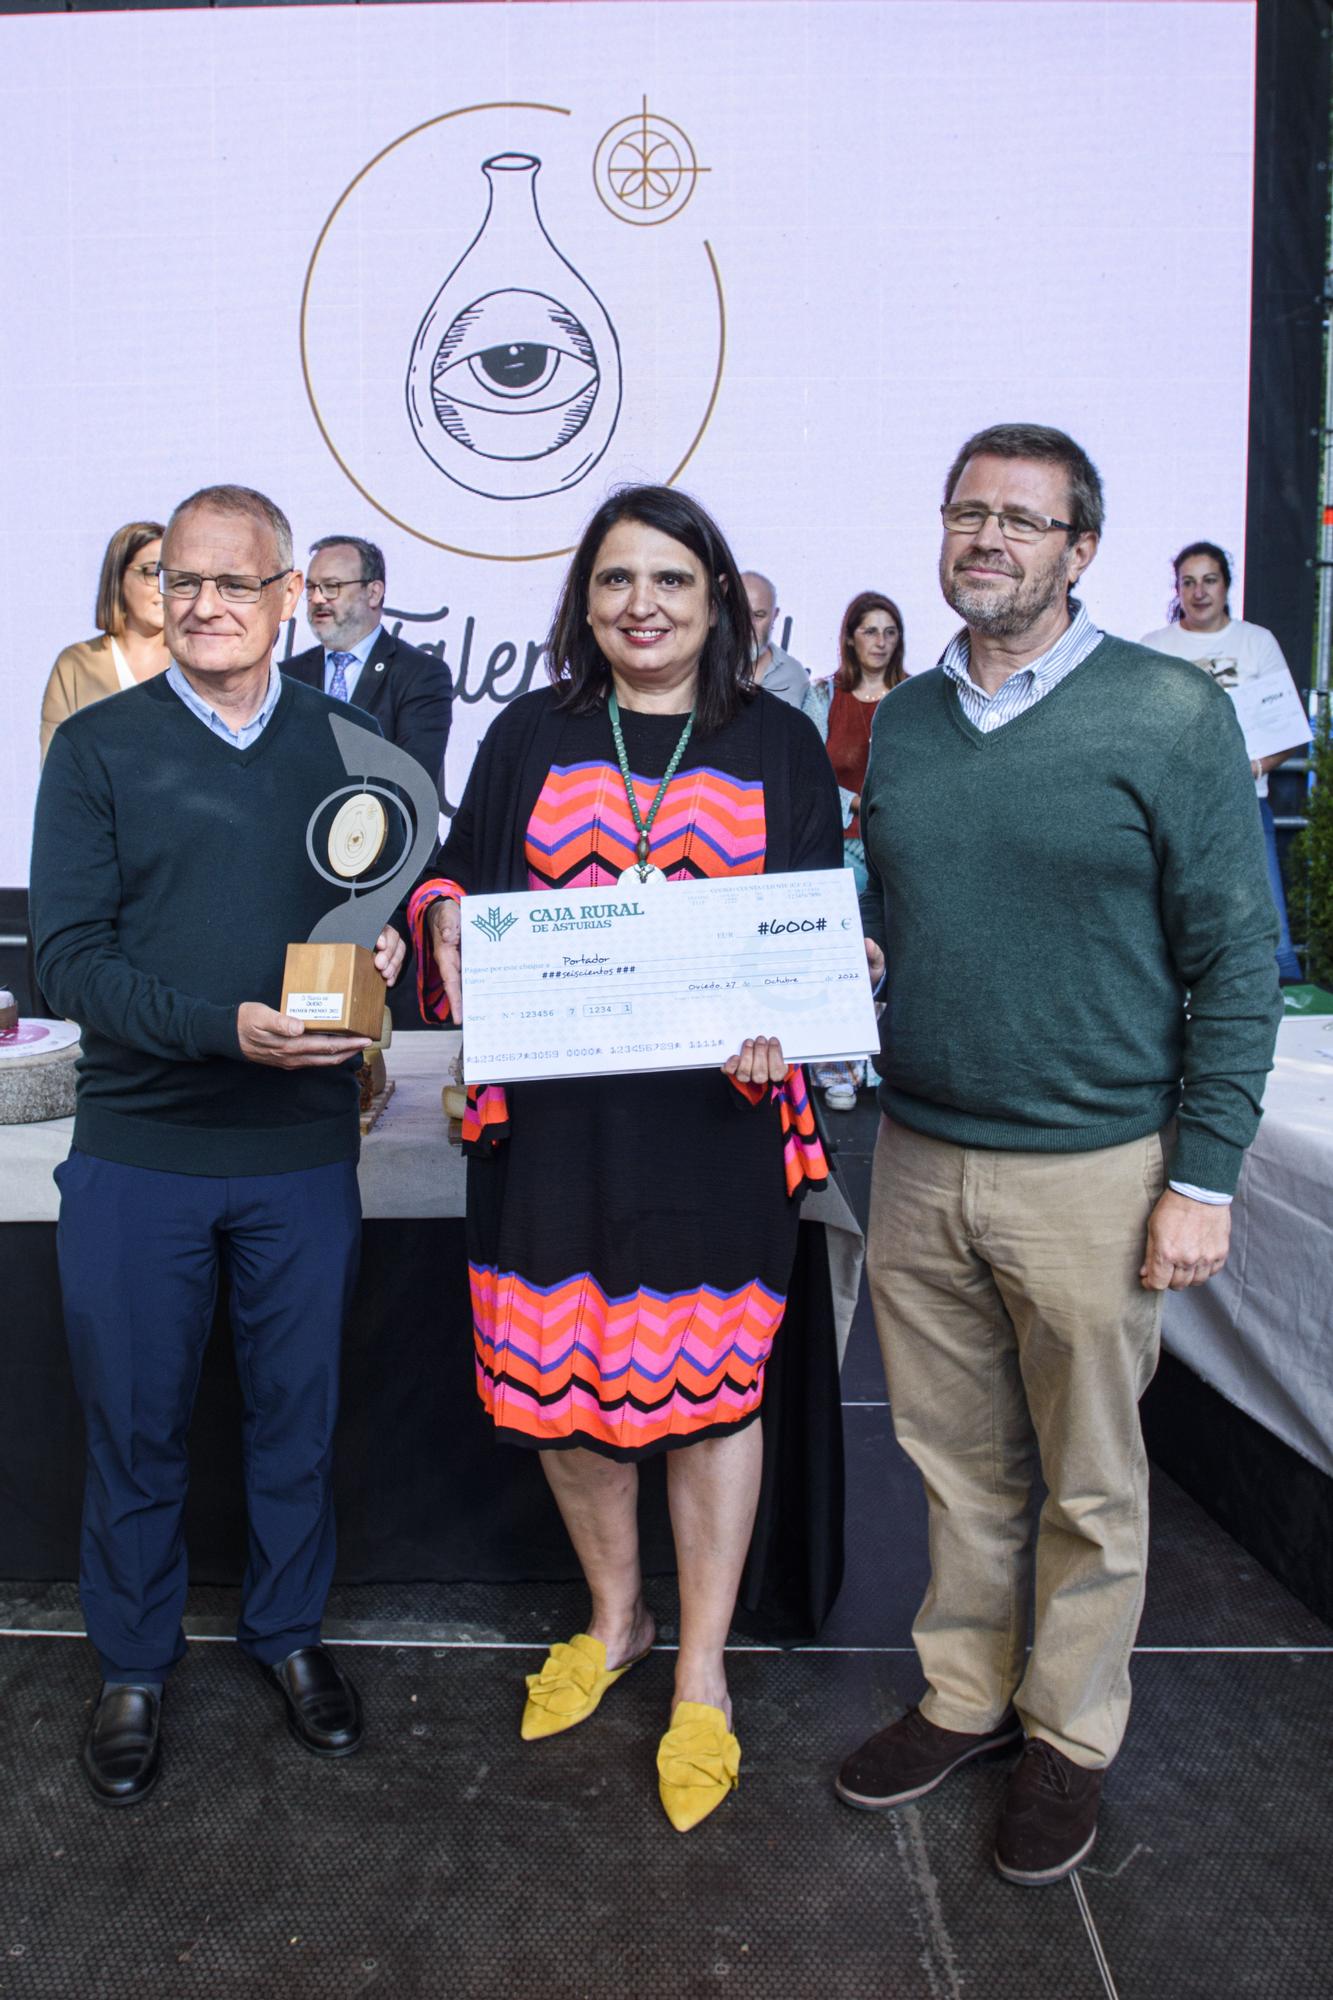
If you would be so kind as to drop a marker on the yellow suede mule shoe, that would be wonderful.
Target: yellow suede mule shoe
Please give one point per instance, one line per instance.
(572, 1681)
(698, 1764)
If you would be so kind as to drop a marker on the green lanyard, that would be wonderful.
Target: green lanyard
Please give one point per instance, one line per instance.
(645, 826)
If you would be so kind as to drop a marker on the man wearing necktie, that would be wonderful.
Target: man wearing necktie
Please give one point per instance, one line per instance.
(409, 692)
(335, 674)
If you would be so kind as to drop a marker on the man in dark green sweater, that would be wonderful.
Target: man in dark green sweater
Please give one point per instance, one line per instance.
(169, 874)
(1068, 886)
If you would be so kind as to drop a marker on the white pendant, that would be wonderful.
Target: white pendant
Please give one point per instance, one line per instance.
(635, 877)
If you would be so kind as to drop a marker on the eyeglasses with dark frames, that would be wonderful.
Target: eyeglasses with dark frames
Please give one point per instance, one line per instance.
(184, 583)
(962, 517)
(332, 585)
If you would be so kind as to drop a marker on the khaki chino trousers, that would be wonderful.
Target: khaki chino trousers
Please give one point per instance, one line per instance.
(1017, 1342)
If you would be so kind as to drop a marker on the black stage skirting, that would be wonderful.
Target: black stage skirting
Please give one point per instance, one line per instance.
(424, 1491)
(1274, 1502)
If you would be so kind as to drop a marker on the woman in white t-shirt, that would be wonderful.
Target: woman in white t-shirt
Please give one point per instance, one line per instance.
(1203, 630)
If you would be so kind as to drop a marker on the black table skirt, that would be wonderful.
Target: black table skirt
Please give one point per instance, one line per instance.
(1270, 1499)
(424, 1491)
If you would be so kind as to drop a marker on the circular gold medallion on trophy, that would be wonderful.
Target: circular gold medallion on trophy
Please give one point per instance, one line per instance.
(357, 835)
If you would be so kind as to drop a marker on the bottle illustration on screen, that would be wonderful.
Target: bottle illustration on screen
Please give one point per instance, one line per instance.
(513, 388)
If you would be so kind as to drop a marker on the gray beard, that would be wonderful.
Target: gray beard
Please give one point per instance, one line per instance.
(1007, 620)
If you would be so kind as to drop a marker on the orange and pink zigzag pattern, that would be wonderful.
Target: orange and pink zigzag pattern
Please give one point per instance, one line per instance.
(430, 987)
(559, 1360)
(708, 824)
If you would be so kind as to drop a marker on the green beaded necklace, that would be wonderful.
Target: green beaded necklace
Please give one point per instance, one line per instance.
(639, 869)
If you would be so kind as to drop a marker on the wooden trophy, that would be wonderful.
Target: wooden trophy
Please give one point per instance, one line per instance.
(330, 982)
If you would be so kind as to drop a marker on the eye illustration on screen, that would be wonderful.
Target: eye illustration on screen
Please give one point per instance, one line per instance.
(514, 353)
(513, 387)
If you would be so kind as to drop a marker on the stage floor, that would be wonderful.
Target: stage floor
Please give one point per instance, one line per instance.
(450, 1860)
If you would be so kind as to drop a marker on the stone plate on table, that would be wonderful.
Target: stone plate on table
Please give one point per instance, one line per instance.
(37, 1061)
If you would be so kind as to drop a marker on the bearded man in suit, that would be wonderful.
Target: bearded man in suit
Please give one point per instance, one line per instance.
(409, 692)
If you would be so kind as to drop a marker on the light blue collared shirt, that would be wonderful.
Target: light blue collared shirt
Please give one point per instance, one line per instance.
(361, 651)
(249, 732)
(1024, 689)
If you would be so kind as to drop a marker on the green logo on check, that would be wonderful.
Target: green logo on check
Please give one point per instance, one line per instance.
(493, 925)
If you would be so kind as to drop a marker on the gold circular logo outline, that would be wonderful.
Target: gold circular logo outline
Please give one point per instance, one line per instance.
(452, 548)
(692, 172)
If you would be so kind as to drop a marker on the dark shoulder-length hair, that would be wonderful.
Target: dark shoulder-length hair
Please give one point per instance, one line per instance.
(1175, 610)
(848, 675)
(124, 546)
(574, 660)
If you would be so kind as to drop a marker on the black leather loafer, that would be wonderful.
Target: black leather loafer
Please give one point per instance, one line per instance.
(323, 1708)
(122, 1752)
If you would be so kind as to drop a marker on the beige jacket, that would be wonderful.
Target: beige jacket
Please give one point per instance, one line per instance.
(83, 674)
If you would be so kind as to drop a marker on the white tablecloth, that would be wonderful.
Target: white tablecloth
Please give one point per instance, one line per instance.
(1261, 1333)
(408, 1167)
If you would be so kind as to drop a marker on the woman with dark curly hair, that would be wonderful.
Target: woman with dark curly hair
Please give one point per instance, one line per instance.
(1201, 628)
(631, 1238)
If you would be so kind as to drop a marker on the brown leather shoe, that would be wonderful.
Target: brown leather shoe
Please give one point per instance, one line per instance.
(1049, 1819)
(911, 1757)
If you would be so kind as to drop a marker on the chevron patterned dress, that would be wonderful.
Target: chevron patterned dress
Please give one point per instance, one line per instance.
(631, 1238)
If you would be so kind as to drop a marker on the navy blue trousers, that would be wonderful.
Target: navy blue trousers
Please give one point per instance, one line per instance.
(140, 1253)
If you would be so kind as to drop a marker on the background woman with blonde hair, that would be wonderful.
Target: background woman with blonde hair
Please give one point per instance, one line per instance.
(129, 646)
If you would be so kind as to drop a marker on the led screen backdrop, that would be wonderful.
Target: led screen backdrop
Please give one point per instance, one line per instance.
(442, 276)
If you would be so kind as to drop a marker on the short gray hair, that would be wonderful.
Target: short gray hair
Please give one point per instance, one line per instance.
(241, 500)
(372, 556)
(1048, 447)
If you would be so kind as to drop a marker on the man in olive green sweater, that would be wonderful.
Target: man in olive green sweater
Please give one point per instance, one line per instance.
(1067, 883)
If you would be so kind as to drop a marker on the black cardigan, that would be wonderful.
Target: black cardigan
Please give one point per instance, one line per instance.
(484, 850)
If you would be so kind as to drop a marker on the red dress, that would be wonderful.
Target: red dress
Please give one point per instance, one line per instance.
(849, 725)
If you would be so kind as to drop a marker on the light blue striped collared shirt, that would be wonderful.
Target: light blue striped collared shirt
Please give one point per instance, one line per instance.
(249, 732)
(1022, 691)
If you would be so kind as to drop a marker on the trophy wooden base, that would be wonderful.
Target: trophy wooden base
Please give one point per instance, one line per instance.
(334, 988)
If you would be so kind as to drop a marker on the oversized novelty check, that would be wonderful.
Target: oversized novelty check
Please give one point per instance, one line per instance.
(671, 975)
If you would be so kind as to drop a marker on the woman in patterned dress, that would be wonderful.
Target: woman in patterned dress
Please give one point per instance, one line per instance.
(631, 1237)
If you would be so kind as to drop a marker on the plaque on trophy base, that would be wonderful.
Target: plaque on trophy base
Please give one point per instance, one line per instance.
(334, 988)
